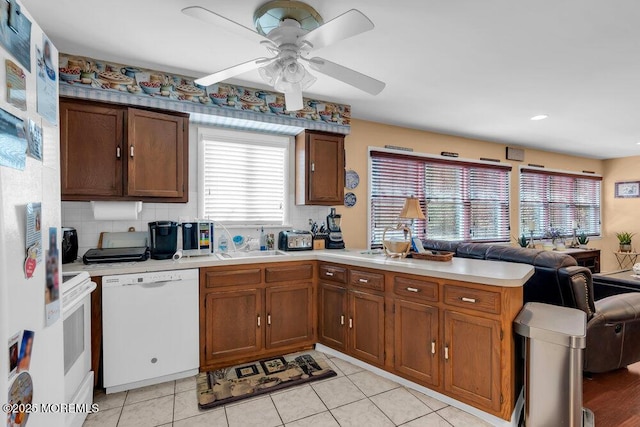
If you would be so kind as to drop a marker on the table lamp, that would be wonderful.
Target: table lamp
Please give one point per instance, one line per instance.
(396, 247)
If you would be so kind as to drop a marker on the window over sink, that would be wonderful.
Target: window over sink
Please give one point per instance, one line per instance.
(243, 177)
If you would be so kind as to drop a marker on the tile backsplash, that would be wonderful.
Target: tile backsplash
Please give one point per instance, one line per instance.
(80, 216)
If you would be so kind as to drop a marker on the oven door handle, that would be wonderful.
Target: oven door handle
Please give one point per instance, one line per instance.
(78, 300)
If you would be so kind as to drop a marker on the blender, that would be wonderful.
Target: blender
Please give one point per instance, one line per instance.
(334, 241)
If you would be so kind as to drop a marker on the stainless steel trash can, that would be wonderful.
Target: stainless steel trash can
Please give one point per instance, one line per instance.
(554, 339)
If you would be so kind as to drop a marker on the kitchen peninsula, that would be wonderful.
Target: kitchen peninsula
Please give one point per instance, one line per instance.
(445, 326)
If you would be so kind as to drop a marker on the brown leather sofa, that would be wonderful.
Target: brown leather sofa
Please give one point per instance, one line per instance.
(613, 323)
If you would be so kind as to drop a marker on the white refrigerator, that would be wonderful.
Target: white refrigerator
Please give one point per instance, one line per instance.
(25, 182)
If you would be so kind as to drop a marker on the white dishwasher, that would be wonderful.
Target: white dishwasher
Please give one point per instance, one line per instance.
(150, 328)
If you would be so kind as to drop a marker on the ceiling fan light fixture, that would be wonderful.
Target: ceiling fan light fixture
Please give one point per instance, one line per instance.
(293, 72)
(270, 72)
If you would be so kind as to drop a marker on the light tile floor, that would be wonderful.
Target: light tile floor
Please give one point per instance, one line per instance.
(355, 397)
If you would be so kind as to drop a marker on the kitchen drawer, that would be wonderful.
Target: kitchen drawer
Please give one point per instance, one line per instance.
(413, 288)
(220, 278)
(474, 299)
(289, 272)
(333, 273)
(367, 279)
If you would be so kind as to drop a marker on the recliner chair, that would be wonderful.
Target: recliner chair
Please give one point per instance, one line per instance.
(613, 323)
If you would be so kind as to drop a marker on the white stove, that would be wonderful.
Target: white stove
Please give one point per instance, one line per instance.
(76, 312)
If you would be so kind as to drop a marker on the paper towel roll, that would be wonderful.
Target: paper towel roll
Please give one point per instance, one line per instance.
(177, 255)
(115, 210)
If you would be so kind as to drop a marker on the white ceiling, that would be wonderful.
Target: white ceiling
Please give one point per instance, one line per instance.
(473, 68)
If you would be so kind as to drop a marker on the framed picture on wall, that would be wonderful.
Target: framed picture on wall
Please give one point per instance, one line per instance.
(628, 189)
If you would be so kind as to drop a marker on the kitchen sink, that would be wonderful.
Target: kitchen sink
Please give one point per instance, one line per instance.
(250, 254)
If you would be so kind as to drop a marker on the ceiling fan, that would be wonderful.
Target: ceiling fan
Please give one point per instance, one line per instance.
(290, 30)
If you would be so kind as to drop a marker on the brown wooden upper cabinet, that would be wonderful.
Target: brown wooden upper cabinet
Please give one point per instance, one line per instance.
(114, 152)
(319, 168)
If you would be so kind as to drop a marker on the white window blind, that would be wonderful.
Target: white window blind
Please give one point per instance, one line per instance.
(244, 177)
(462, 200)
(560, 201)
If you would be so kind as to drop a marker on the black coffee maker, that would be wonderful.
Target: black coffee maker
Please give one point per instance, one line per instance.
(69, 245)
(334, 241)
(163, 239)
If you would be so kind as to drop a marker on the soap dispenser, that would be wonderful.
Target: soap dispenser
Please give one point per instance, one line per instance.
(263, 240)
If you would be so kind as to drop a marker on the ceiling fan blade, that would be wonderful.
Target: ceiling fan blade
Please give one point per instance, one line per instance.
(227, 73)
(347, 75)
(350, 23)
(293, 99)
(220, 21)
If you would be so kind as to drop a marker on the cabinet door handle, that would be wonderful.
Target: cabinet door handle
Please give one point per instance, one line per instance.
(363, 280)
(350, 323)
(268, 319)
(258, 320)
(118, 152)
(328, 273)
(131, 151)
(413, 289)
(342, 320)
(313, 167)
(433, 347)
(446, 352)
(465, 299)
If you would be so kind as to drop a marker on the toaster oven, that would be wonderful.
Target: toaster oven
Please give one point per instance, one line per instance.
(295, 240)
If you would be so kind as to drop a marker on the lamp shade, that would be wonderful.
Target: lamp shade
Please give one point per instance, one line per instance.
(411, 209)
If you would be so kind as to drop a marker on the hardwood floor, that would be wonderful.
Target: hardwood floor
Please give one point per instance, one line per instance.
(614, 397)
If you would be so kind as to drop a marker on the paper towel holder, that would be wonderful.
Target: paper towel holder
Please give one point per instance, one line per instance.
(112, 211)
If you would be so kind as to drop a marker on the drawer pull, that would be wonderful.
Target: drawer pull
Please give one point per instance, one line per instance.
(446, 352)
(363, 280)
(433, 347)
(258, 320)
(413, 289)
(465, 299)
(341, 320)
(268, 319)
(328, 273)
(350, 323)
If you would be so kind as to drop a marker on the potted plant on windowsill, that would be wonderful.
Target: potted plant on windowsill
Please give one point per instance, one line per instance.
(522, 241)
(583, 240)
(624, 238)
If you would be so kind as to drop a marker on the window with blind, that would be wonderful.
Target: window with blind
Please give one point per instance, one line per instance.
(559, 200)
(244, 177)
(464, 201)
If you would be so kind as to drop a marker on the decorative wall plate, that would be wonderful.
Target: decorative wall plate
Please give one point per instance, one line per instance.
(351, 179)
(349, 199)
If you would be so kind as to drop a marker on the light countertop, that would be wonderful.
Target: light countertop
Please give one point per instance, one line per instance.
(497, 273)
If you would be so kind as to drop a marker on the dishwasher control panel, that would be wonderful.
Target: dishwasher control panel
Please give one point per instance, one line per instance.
(148, 278)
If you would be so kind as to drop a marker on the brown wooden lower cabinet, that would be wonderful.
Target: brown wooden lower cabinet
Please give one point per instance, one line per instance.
(249, 312)
(416, 341)
(366, 327)
(352, 321)
(232, 324)
(472, 359)
(453, 337)
(332, 315)
(290, 312)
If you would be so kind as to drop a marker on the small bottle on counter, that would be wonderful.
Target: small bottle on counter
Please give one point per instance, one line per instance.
(263, 240)
(270, 242)
(223, 244)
